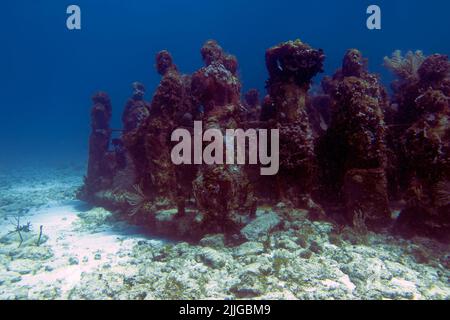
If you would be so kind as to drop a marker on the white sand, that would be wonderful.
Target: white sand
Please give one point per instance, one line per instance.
(68, 243)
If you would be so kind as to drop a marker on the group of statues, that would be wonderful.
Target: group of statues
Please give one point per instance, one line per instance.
(347, 152)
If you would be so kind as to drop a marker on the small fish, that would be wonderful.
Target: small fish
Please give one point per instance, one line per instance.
(279, 65)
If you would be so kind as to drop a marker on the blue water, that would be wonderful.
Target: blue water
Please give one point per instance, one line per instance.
(47, 73)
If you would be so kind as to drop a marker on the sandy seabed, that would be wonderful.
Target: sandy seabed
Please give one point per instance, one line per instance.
(87, 253)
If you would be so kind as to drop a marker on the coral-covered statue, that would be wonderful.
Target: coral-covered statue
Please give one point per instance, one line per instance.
(223, 193)
(291, 67)
(353, 152)
(422, 142)
(99, 173)
(150, 143)
(136, 110)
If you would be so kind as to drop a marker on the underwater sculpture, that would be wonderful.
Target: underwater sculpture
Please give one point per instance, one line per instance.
(291, 67)
(222, 192)
(422, 142)
(336, 151)
(149, 145)
(352, 152)
(136, 110)
(99, 175)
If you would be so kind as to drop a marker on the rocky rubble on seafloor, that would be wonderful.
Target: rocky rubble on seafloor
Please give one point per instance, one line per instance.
(88, 253)
(310, 260)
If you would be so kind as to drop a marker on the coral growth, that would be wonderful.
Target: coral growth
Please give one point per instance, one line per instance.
(407, 67)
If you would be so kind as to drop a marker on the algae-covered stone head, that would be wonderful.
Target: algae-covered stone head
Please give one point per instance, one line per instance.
(434, 101)
(164, 62)
(435, 68)
(136, 110)
(354, 65)
(216, 84)
(231, 63)
(252, 98)
(294, 60)
(101, 98)
(268, 110)
(212, 52)
(101, 111)
(138, 91)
